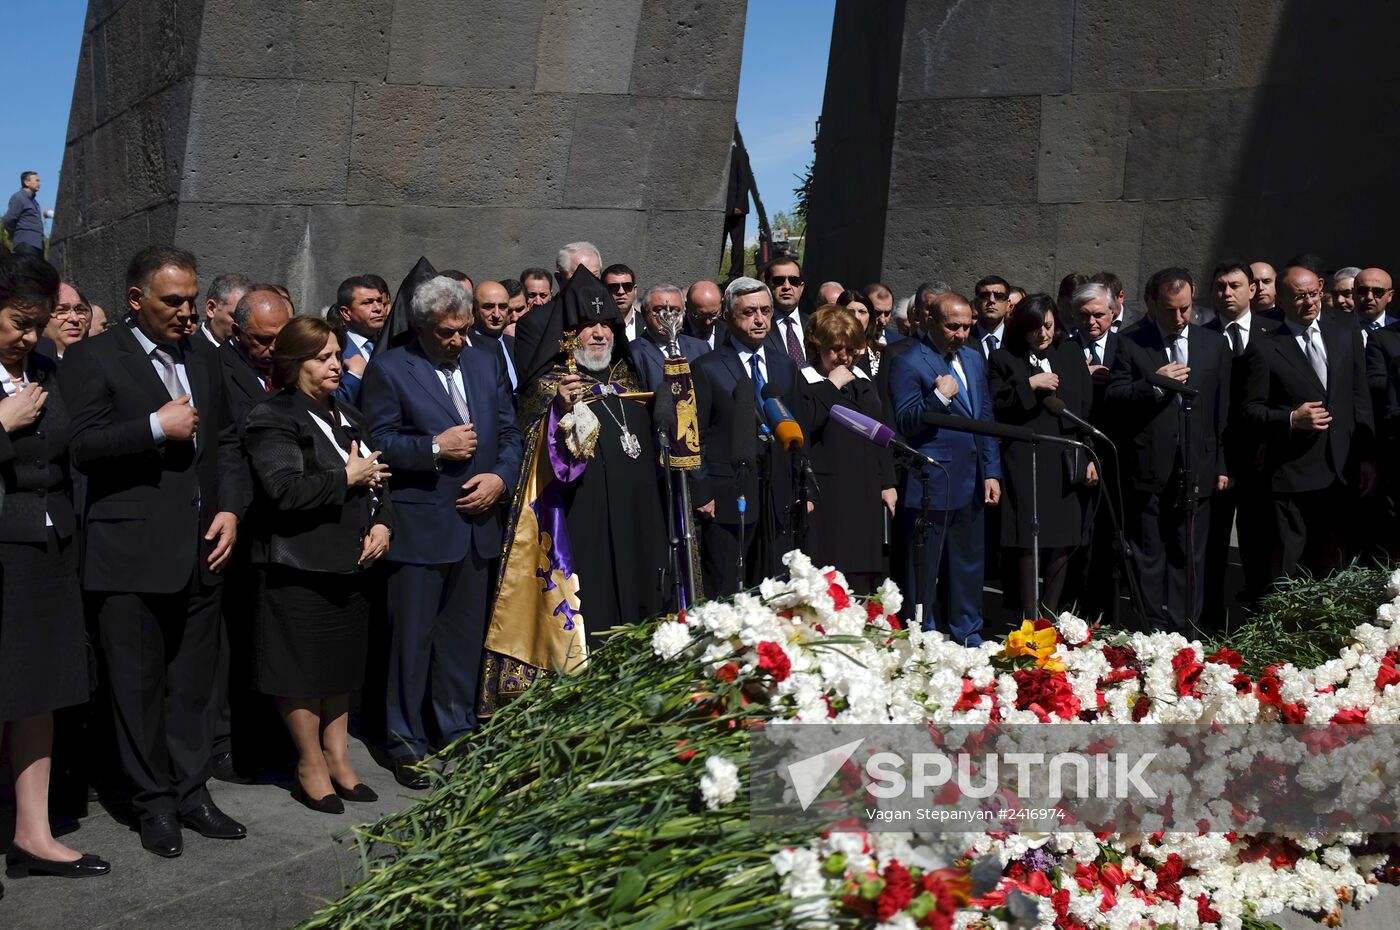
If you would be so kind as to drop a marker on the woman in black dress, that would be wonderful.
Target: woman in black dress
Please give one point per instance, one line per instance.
(43, 651)
(1035, 362)
(317, 523)
(855, 480)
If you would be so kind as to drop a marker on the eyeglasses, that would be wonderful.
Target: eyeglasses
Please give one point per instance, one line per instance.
(624, 286)
(1362, 290)
(537, 295)
(263, 339)
(1306, 297)
(77, 310)
(992, 295)
(791, 280)
(493, 306)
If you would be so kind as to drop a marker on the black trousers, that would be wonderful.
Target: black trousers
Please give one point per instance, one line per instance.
(1248, 512)
(1307, 528)
(159, 653)
(719, 558)
(25, 249)
(734, 233)
(1157, 528)
(437, 627)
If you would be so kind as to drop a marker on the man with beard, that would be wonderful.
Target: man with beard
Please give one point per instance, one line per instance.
(588, 547)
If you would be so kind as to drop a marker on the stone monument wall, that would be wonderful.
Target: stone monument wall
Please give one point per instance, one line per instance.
(306, 140)
(1032, 138)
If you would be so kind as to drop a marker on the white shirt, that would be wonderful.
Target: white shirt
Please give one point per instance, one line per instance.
(957, 366)
(1102, 343)
(361, 345)
(456, 376)
(1316, 337)
(997, 334)
(149, 348)
(745, 355)
(11, 389)
(213, 340)
(1242, 324)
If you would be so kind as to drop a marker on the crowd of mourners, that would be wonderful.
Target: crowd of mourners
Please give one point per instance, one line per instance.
(235, 531)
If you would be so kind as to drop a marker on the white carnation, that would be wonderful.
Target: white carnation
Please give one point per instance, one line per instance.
(720, 783)
(670, 639)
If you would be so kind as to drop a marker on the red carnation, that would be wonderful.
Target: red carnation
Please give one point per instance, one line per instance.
(897, 894)
(839, 597)
(1141, 707)
(1188, 671)
(1269, 689)
(727, 672)
(1386, 675)
(1120, 656)
(1227, 656)
(1204, 912)
(773, 660)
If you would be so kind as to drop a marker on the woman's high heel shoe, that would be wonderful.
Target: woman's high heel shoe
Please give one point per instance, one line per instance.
(330, 804)
(361, 793)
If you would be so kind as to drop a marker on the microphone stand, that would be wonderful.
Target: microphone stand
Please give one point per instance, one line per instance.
(922, 523)
(800, 468)
(1191, 488)
(673, 542)
(1035, 532)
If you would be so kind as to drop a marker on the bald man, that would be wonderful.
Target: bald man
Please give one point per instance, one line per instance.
(937, 379)
(1307, 397)
(829, 291)
(1265, 291)
(254, 322)
(493, 315)
(1371, 295)
(703, 304)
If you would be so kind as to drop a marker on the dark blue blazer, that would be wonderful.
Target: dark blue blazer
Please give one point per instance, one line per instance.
(405, 406)
(650, 360)
(970, 459)
(350, 384)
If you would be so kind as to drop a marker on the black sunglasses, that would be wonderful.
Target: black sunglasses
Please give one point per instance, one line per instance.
(624, 286)
(992, 295)
(790, 279)
(1361, 290)
(494, 306)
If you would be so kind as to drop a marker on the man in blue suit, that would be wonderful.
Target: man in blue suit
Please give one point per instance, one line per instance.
(649, 349)
(362, 302)
(939, 374)
(441, 411)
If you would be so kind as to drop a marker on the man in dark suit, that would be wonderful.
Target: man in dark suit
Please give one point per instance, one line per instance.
(704, 304)
(991, 298)
(1163, 485)
(650, 349)
(362, 303)
(746, 362)
(246, 357)
(443, 415)
(784, 279)
(489, 333)
(1306, 394)
(939, 375)
(166, 489)
(1244, 505)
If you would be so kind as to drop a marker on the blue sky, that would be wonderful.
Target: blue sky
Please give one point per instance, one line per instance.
(780, 92)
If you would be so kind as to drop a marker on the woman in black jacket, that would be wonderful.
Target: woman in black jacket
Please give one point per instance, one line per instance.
(319, 519)
(43, 651)
(1035, 362)
(855, 479)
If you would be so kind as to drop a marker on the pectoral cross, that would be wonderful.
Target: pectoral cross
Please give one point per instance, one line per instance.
(597, 304)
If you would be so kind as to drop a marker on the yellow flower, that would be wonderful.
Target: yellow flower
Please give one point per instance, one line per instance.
(1037, 640)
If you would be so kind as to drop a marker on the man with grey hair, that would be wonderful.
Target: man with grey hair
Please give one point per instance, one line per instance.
(744, 368)
(829, 292)
(441, 411)
(1338, 294)
(219, 302)
(650, 349)
(538, 332)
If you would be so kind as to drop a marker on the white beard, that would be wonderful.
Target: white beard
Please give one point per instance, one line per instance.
(594, 359)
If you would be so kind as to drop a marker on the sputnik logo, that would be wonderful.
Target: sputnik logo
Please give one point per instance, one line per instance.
(810, 776)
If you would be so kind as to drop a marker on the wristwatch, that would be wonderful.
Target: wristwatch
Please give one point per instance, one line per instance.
(437, 451)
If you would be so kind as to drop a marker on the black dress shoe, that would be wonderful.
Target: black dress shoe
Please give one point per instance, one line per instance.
(361, 793)
(161, 835)
(330, 804)
(410, 777)
(20, 862)
(224, 770)
(208, 820)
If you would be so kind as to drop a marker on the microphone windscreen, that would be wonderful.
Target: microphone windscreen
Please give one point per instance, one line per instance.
(663, 406)
(1054, 404)
(789, 433)
(743, 439)
(857, 422)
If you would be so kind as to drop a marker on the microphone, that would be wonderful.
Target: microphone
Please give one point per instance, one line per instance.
(663, 409)
(1171, 384)
(743, 441)
(781, 420)
(991, 428)
(872, 429)
(1057, 406)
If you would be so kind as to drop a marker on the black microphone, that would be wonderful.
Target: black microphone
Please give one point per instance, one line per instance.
(1171, 384)
(743, 441)
(1057, 406)
(663, 409)
(991, 428)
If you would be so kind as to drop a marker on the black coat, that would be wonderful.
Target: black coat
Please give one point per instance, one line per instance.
(241, 383)
(149, 504)
(847, 528)
(1280, 380)
(304, 515)
(1152, 417)
(1244, 452)
(34, 466)
(1061, 495)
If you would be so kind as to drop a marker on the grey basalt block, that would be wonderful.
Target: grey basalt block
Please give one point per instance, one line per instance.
(316, 40)
(1141, 46)
(1083, 147)
(465, 43)
(1187, 144)
(587, 46)
(682, 247)
(145, 46)
(1183, 232)
(954, 48)
(267, 141)
(1093, 237)
(1016, 241)
(689, 48)
(454, 146)
(965, 152)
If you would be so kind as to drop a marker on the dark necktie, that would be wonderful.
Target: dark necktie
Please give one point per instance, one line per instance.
(758, 382)
(991, 343)
(794, 345)
(1094, 355)
(1236, 341)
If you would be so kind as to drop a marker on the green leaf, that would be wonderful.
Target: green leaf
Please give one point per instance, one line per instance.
(630, 885)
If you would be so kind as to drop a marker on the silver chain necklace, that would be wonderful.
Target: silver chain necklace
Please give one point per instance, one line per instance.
(630, 444)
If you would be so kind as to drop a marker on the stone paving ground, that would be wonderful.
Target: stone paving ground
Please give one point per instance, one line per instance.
(292, 859)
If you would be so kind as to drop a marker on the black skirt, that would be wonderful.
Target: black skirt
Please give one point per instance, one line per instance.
(311, 634)
(43, 642)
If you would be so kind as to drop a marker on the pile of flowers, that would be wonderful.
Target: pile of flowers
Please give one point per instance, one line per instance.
(815, 653)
